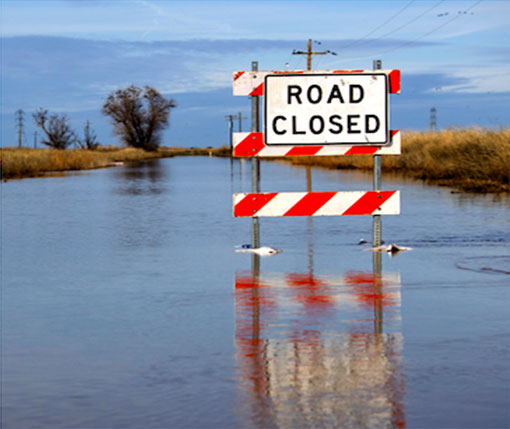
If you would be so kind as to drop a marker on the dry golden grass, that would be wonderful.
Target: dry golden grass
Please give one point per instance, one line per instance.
(24, 162)
(474, 160)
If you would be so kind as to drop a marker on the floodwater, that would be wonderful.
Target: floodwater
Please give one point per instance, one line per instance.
(125, 305)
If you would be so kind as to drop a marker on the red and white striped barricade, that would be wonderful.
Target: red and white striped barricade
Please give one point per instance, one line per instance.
(276, 204)
(319, 113)
(252, 82)
(252, 144)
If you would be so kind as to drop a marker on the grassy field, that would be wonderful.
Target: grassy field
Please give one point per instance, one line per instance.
(472, 160)
(24, 162)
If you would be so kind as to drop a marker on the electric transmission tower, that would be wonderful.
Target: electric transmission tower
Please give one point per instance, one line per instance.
(433, 120)
(19, 122)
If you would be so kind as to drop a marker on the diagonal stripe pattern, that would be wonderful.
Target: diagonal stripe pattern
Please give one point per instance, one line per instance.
(317, 203)
(252, 82)
(252, 144)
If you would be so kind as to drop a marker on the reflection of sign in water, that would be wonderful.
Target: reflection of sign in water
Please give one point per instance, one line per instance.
(310, 353)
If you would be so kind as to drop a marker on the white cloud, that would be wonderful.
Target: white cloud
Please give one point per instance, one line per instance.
(277, 19)
(480, 80)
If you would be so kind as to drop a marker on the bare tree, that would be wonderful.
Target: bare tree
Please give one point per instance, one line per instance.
(139, 115)
(89, 138)
(58, 132)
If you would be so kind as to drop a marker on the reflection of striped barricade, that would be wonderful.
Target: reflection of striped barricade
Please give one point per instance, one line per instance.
(307, 350)
(354, 287)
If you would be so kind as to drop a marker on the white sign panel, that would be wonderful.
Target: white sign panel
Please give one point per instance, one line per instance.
(311, 109)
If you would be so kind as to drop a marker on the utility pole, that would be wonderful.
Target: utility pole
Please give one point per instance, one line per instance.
(309, 54)
(35, 139)
(433, 122)
(240, 117)
(230, 119)
(19, 120)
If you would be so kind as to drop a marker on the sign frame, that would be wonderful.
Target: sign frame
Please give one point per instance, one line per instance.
(338, 76)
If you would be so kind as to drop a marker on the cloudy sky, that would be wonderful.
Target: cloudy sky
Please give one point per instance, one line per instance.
(69, 55)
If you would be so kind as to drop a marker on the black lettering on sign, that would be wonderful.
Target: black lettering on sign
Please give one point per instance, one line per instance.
(351, 123)
(335, 121)
(356, 93)
(294, 91)
(316, 124)
(276, 130)
(294, 127)
(374, 120)
(310, 94)
(335, 93)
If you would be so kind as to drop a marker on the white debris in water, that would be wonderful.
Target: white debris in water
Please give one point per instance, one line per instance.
(262, 251)
(390, 248)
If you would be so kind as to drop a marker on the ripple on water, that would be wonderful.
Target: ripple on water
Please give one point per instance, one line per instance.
(486, 264)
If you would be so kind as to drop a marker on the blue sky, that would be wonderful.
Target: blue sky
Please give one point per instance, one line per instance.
(69, 55)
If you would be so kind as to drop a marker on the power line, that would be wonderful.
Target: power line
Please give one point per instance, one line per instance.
(407, 23)
(378, 27)
(433, 30)
(428, 33)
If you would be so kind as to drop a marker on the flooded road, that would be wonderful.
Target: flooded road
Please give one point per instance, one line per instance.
(125, 305)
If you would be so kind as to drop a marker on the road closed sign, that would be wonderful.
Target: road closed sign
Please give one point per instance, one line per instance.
(336, 108)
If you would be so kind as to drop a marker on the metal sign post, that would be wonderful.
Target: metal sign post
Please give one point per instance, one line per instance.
(376, 220)
(376, 239)
(317, 113)
(255, 162)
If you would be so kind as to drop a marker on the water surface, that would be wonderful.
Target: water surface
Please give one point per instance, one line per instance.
(124, 305)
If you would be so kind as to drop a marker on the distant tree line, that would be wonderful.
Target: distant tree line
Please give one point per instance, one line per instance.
(138, 115)
(59, 134)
